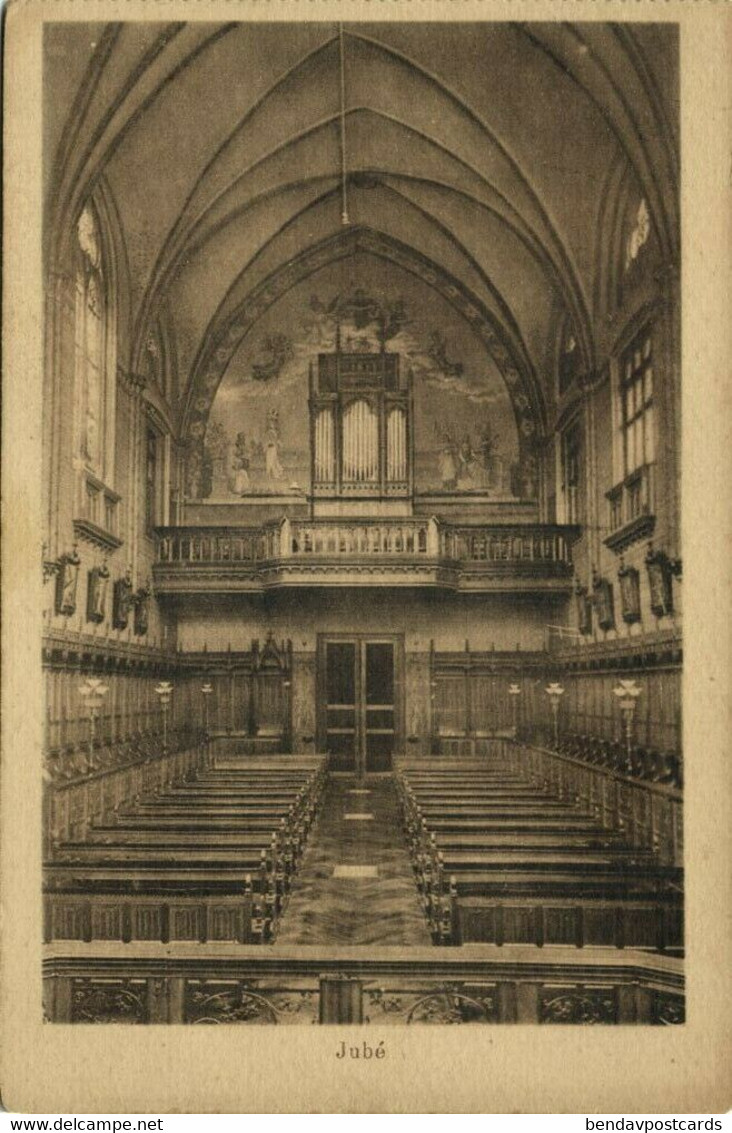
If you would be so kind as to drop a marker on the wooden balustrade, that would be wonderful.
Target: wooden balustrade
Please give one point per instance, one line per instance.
(499, 550)
(650, 815)
(133, 917)
(513, 545)
(87, 983)
(73, 806)
(214, 545)
(390, 537)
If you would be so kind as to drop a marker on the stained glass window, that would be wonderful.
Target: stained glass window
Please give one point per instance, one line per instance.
(90, 335)
(637, 404)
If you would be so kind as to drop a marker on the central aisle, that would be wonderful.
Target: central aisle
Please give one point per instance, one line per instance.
(355, 884)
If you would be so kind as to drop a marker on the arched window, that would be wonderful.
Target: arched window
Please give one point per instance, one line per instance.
(94, 385)
(636, 392)
(90, 344)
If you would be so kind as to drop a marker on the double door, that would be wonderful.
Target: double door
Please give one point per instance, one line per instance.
(360, 702)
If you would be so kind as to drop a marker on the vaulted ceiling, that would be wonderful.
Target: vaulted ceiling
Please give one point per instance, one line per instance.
(479, 152)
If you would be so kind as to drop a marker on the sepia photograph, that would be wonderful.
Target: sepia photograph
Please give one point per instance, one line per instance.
(363, 589)
(365, 641)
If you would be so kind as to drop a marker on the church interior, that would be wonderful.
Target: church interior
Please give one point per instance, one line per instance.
(362, 638)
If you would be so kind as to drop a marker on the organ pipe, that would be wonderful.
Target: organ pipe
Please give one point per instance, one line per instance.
(396, 446)
(324, 447)
(360, 439)
(360, 443)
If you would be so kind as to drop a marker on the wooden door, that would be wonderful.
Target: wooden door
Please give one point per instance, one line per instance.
(339, 703)
(359, 702)
(378, 705)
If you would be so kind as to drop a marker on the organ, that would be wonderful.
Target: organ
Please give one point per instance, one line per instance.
(361, 433)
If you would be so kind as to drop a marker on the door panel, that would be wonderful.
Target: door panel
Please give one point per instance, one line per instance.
(341, 672)
(341, 718)
(378, 731)
(379, 672)
(360, 705)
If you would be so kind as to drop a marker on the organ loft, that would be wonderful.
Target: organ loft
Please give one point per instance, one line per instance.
(362, 636)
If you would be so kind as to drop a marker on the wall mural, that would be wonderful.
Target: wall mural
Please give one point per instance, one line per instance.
(257, 442)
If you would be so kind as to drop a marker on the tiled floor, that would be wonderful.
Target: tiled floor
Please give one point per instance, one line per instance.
(355, 884)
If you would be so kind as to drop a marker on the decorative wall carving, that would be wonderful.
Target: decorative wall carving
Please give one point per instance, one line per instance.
(211, 1002)
(629, 580)
(378, 993)
(660, 573)
(122, 602)
(96, 596)
(668, 1010)
(602, 596)
(453, 1006)
(67, 580)
(109, 1001)
(577, 1005)
(449, 1003)
(141, 602)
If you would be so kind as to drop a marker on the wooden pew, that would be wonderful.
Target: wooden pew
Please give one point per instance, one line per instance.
(656, 922)
(135, 916)
(527, 867)
(169, 869)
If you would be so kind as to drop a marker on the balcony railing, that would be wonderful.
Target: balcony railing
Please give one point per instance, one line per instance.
(512, 545)
(457, 556)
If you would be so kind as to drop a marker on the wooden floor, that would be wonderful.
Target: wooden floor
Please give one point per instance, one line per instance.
(355, 885)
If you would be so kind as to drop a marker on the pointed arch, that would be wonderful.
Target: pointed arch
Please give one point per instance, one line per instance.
(227, 331)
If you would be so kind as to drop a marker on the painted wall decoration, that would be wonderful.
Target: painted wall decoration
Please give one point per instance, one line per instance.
(257, 439)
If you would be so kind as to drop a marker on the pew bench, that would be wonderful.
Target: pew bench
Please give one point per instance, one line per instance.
(164, 869)
(656, 923)
(527, 866)
(131, 917)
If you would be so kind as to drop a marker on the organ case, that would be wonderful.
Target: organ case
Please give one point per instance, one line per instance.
(361, 428)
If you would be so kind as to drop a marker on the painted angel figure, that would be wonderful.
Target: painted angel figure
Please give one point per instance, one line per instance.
(241, 466)
(447, 462)
(194, 471)
(272, 466)
(468, 462)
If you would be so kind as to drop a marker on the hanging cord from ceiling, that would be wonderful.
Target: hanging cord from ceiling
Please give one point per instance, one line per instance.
(344, 163)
